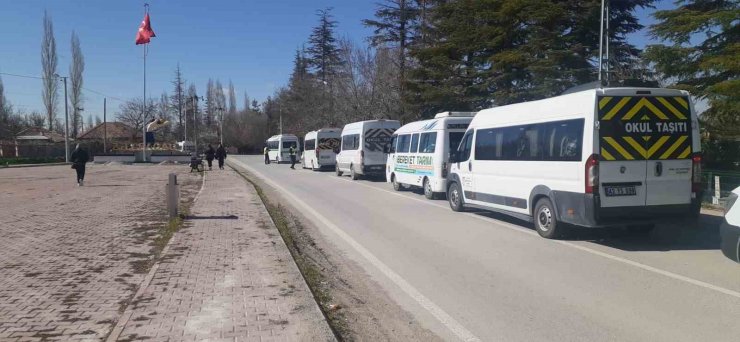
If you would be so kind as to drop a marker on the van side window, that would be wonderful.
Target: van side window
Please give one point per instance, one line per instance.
(549, 141)
(466, 146)
(310, 144)
(428, 142)
(404, 141)
(415, 143)
(350, 142)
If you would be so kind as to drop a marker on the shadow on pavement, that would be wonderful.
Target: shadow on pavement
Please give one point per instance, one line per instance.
(107, 185)
(213, 217)
(702, 234)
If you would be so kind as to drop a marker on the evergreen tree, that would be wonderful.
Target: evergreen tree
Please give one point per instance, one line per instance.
(703, 57)
(177, 98)
(232, 98)
(323, 52)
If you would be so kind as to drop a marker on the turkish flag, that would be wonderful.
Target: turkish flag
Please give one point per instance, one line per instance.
(145, 31)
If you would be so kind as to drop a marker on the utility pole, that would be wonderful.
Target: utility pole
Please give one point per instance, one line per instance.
(221, 124)
(195, 123)
(66, 121)
(105, 127)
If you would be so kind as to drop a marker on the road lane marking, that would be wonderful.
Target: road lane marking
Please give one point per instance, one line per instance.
(520, 229)
(448, 321)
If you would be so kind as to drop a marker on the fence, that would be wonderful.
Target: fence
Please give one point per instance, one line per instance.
(728, 181)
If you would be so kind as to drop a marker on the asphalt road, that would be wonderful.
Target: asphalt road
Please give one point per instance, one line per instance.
(483, 277)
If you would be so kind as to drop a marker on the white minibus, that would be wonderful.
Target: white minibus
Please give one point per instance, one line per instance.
(363, 147)
(279, 146)
(594, 158)
(419, 152)
(320, 148)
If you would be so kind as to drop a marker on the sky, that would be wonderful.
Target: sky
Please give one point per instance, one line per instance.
(252, 43)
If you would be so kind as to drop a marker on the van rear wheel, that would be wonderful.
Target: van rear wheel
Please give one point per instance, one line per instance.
(352, 173)
(454, 196)
(545, 222)
(339, 173)
(428, 193)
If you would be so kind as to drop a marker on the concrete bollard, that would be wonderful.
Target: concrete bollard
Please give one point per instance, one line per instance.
(173, 196)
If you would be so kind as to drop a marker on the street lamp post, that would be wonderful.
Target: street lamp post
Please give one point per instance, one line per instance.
(66, 120)
(221, 124)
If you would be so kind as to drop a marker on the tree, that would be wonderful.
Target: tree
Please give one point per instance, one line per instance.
(178, 98)
(76, 68)
(702, 57)
(131, 113)
(323, 52)
(232, 98)
(49, 70)
(220, 102)
(98, 120)
(210, 101)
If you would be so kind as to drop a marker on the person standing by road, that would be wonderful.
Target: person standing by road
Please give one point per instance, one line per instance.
(79, 158)
(221, 155)
(210, 154)
(292, 157)
(266, 151)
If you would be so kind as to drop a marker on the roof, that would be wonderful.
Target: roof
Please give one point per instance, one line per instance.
(436, 124)
(283, 136)
(116, 130)
(381, 123)
(39, 133)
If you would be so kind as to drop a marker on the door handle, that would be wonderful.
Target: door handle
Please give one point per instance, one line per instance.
(658, 169)
(470, 166)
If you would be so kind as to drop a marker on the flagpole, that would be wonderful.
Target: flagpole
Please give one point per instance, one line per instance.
(143, 108)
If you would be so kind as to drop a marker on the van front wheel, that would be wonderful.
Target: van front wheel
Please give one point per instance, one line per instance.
(544, 220)
(454, 196)
(396, 185)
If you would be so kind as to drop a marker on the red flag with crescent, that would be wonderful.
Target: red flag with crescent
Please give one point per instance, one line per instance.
(145, 31)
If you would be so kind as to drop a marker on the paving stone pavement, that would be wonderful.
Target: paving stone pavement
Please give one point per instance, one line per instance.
(226, 276)
(71, 257)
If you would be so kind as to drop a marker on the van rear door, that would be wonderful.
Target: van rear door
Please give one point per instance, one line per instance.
(645, 149)
(376, 139)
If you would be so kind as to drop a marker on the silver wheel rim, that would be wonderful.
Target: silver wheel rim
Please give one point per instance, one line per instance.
(427, 187)
(454, 197)
(544, 219)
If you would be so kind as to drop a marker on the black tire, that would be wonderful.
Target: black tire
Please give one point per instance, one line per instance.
(396, 185)
(339, 173)
(313, 167)
(427, 186)
(455, 197)
(545, 221)
(641, 229)
(352, 173)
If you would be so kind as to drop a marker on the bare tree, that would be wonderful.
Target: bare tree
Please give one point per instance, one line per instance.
(49, 69)
(131, 114)
(76, 68)
(178, 98)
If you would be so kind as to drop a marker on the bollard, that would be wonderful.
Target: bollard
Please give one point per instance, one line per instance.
(173, 196)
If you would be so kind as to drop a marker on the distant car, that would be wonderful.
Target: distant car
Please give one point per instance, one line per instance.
(730, 229)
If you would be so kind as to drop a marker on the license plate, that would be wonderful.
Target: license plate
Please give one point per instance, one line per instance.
(620, 191)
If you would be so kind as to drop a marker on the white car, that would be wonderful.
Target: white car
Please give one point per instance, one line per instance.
(730, 228)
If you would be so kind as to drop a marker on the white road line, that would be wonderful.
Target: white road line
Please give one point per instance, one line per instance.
(573, 245)
(443, 317)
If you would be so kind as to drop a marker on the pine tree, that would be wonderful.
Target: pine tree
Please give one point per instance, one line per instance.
(703, 57)
(232, 98)
(323, 52)
(178, 97)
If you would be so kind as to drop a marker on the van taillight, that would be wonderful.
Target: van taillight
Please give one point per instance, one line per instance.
(592, 174)
(696, 172)
(362, 157)
(444, 170)
(317, 153)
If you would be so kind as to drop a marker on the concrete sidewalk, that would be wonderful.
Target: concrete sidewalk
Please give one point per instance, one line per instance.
(226, 276)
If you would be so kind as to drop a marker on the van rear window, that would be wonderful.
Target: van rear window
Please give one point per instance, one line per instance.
(289, 144)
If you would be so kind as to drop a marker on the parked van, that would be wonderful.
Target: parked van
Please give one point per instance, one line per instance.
(320, 148)
(279, 146)
(419, 152)
(363, 147)
(594, 158)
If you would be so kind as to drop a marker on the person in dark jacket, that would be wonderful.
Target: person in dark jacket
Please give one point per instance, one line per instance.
(221, 155)
(292, 157)
(79, 158)
(210, 154)
(266, 151)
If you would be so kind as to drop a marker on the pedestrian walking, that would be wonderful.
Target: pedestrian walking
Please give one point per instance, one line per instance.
(266, 151)
(210, 154)
(79, 159)
(292, 157)
(221, 155)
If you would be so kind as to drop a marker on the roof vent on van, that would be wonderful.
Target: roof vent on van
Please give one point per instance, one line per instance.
(448, 114)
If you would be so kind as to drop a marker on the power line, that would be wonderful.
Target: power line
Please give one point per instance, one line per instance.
(43, 78)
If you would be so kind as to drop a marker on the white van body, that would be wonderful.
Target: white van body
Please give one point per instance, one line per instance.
(320, 148)
(363, 147)
(420, 150)
(601, 157)
(279, 146)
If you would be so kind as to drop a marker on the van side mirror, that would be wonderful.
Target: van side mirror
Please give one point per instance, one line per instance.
(454, 157)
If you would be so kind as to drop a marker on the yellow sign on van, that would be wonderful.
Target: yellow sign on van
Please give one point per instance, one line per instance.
(642, 128)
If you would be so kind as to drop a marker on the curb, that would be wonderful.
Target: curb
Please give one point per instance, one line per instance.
(31, 165)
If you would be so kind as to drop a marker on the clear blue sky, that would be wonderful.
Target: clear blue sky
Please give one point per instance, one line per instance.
(250, 42)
